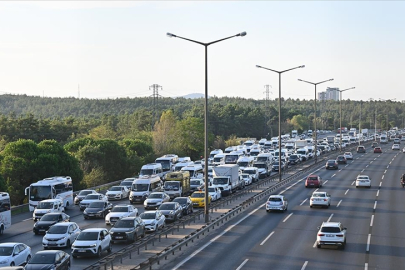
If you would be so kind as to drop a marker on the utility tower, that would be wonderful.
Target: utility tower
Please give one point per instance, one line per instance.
(267, 109)
(155, 96)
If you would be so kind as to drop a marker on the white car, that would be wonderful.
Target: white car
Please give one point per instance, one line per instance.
(331, 233)
(61, 235)
(120, 211)
(363, 181)
(117, 193)
(247, 178)
(82, 194)
(215, 193)
(277, 202)
(92, 242)
(403, 150)
(319, 198)
(348, 155)
(395, 147)
(154, 220)
(14, 254)
(155, 199)
(92, 198)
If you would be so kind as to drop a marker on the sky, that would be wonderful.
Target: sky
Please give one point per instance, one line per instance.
(119, 49)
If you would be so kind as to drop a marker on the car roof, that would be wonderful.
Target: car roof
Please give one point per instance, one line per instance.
(53, 214)
(94, 230)
(128, 218)
(313, 175)
(122, 205)
(48, 251)
(64, 223)
(9, 244)
(362, 176)
(330, 224)
(276, 196)
(153, 211)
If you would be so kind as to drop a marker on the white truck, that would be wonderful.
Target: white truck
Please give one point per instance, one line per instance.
(226, 177)
(300, 144)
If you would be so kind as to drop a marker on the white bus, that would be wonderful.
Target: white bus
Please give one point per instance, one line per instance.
(5, 211)
(57, 187)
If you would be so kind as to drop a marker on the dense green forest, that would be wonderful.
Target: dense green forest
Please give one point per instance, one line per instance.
(98, 141)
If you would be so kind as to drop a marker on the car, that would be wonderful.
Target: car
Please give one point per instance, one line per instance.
(155, 199)
(92, 198)
(154, 220)
(403, 150)
(82, 194)
(198, 199)
(276, 165)
(276, 202)
(215, 193)
(377, 149)
(320, 198)
(341, 159)
(348, 155)
(41, 226)
(120, 211)
(97, 209)
(374, 144)
(49, 259)
(294, 159)
(247, 178)
(395, 147)
(363, 181)
(117, 193)
(196, 184)
(331, 233)
(313, 180)
(61, 235)
(397, 141)
(92, 242)
(332, 164)
(186, 204)
(128, 229)
(172, 210)
(47, 206)
(14, 254)
(361, 149)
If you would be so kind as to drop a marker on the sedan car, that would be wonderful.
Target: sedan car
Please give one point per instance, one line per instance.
(332, 164)
(276, 202)
(377, 149)
(49, 259)
(395, 147)
(313, 180)
(319, 198)
(61, 235)
(97, 209)
(14, 254)
(128, 229)
(41, 226)
(82, 194)
(363, 181)
(154, 220)
(92, 198)
(155, 199)
(215, 193)
(198, 199)
(348, 155)
(341, 159)
(120, 211)
(331, 233)
(117, 193)
(172, 210)
(186, 204)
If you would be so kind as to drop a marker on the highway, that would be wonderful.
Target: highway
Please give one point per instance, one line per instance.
(261, 240)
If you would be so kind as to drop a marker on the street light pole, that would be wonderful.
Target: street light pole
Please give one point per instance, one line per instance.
(279, 113)
(206, 207)
(316, 133)
(340, 138)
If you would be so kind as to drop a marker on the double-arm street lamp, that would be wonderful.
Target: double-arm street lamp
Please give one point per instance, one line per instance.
(316, 136)
(206, 206)
(279, 113)
(340, 97)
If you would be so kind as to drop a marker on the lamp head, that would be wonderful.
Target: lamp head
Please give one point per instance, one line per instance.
(171, 35)
(258, 66)
(242, 34)
(302, 66)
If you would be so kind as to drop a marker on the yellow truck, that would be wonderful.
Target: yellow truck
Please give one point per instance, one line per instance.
(177, 184)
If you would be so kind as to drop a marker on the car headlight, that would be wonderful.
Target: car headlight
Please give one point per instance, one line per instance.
(48, 211)
(5, 261)
(153, 223)
(100, 212)
(171, 212)
(93, 245)
(145, 195)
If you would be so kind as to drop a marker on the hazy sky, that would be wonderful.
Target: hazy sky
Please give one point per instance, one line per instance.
(119, 49)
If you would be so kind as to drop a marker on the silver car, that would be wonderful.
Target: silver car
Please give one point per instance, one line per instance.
(61, 235)
(155, 199)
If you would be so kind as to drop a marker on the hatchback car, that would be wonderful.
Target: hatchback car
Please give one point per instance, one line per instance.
(61, 235)
(395, 147)
(154, 220)
(320, 198)
(155, 199)
(332, 164)
(14, 254)
(361, 149)
(341, 159)
(247, 178)
(172, 210)
(120, 211)
(92, 242)
(41, 226)
(348, 155)
(97, 209)
(397, 141)
(374, 144)
(186, 204)
(363, 181)
(377, 149)
(313, 181)
(198, 198)
(49, 259)
(331, 233)
(215, 192)
(128, 229)
(276, 202)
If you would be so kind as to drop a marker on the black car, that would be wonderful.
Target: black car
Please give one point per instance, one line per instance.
(186, 204)
(127, 229)
(341, 159)
(97, 209)
(332, 164)
(361, 149)
(47, 220)
(49, 259)
(172, 210)
(294, 159)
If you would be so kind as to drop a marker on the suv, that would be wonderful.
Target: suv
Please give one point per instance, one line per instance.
(361, 149)
(331, 233)
(313, 181)
(332, 164)
(128, 229)
(92, 242)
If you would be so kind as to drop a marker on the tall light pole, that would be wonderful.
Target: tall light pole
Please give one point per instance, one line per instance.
(316, 136)
(279, 112)
(360, 137)
(340, 94)
(242, 34)
(388, 127)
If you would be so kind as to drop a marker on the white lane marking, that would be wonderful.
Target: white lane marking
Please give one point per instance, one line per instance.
(368, 242)
(372, 219)
(316, 190)
(346, 191)
(314, 245)
(380, 184)
(382, 177)
(331, 215)
(357, 158)
(304, 266)
(378, 192)
(27, 219)
(339, 203)
(242, 264)
(366, 266)
(375, 205)
(267, 238)
(283, 191)
(346, 165)
(333, 175)
(287, 217)
(353, 182)
(362, 170)
(371, 162)
(375, 158)
(214, 239)
(325, 182)
(385, 171)
(304, 201)
(390, 162)
(388, 166)
(367, 165)
(340, 170)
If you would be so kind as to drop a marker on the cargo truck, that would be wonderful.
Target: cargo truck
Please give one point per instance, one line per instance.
(226, 177)
(177, 184)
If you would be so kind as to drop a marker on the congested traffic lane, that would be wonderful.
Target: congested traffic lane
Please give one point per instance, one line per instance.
(291, 236)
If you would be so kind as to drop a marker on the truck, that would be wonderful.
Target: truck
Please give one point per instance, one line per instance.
(177, 184)
(300, 144)
(364, 132)
(226, 177)
(330, 139)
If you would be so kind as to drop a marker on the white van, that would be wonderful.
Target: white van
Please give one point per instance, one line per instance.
(253, 172)
(152, 169)
(196, 171)
(265, 157)
(47, 206)
(143, 186)
(180, 165)
(245, 162)
(219, 159)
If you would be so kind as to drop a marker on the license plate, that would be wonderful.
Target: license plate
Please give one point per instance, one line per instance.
(41, 230)
(137, 199)
(119, 237)
(329, 235)
(82, 250)
(91, 215)
(195, 203)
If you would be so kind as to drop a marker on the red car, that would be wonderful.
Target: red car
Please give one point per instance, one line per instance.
(313, 181)
(377, 149)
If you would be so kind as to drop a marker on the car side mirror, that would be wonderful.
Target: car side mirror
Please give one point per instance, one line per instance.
(345, 228)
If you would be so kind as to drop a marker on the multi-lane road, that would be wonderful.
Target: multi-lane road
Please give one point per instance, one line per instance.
(374, 218)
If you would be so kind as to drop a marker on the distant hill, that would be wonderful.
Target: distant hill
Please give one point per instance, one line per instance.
(193, 95)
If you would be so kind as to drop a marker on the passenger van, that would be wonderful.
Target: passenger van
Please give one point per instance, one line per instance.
(265, 157)
(47, 206)
(180, 165)
(219, 159)
(245, 162)
(143, 186)
(195, 170)
(151, 169)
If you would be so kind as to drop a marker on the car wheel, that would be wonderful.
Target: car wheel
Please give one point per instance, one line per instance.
(109, 249)
(85, 217)
(12, 264)
(28, 258)
(1, 230)
(74, 256)
(98, 252)
(135, 237)
(68, 243)
(318, 246)
(144, 233)
(310, 206)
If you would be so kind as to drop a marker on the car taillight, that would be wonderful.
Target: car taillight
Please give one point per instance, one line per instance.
(339, 235)
(325, 200)
(321, 234)
(312, 199)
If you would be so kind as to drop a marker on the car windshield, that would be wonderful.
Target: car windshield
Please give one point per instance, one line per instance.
(172, 186)
(147, 216)
(194, 182)
(180, 201)
(45, 205)
(85, 192)
(262, 166)
(49, 218)
(120, 209)
(6, 251)
(197, 195)
(167, 206)
(331, 161)
(43, 258)
(91, 197)
(115, 189)
(140, 187)
(155, 196)
(318, 195)
(96, 205)
(293, 157)
(211, 189)
(249, 171)
(363, 177)
(87, 236)
(124, 224)
(57, 230)
(312, 178)
(330, 229)
(220, 181)
(274, 199)
(243, 163)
